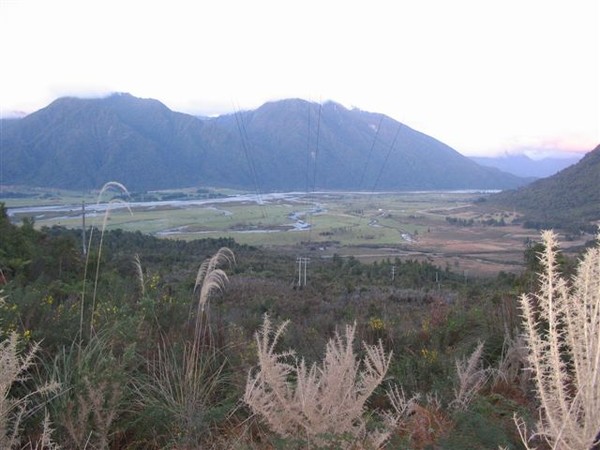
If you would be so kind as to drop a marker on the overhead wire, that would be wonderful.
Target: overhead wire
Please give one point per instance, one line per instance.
(387, 156)
(362, 177)
(253, 173)
(314, 187)
(315, 163)
(308, 149)
(383, 166)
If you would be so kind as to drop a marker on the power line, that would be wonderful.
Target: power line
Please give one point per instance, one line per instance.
(314, 180)
(362, 177)
(244, 140)
(308, 150)
(317, 149)
(383, 166)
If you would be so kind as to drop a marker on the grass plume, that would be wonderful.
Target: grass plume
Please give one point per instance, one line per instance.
(562, 329)
(471, 378)
(209, 279)
(140, 273)
(105, 188)
(14, 367)
(326, 403)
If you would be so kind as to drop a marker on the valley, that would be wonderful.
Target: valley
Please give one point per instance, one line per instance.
(446, 228)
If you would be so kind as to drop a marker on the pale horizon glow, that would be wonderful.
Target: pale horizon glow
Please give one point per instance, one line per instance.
(486, 78)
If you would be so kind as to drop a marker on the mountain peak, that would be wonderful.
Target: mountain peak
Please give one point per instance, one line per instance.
(283, 145)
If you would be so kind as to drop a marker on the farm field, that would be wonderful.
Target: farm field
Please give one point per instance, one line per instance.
(450, 229)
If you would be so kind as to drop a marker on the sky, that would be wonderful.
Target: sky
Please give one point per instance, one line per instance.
(486, 77)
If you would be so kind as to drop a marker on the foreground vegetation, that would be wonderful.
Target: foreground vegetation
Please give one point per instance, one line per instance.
(148, 343)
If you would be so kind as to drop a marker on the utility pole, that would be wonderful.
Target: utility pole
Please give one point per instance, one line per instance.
(302, 264)
(83, 227)
(393, 272)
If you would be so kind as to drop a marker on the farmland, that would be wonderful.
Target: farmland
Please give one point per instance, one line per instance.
(452, 229)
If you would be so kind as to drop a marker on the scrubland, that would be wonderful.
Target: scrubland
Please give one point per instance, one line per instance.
(149, 343)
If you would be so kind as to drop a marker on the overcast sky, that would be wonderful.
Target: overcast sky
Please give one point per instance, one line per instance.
(484, 76)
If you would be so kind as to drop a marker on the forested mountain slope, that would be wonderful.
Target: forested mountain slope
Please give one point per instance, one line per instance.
(285, 145)
(572, 196)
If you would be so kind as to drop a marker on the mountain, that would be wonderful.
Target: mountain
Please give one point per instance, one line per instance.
(523, 166)
(285, 145)
(569, 199)
(82, 143)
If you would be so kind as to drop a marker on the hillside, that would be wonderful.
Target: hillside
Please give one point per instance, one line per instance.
(82, 143)
(284, 145)
(569, 198)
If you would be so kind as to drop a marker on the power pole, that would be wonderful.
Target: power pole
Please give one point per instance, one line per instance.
(393, 272)
(83, 227)
(305, 266)
(302, 264)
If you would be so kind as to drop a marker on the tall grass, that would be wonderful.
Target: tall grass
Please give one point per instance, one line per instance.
(471, 378)
(105, 188)
(94, 378)
(562, 329)
(324, 405)
(14, 370)
(210, 279)
(183, 391)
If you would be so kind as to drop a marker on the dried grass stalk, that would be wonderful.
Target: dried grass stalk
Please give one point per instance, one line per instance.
(471, 378)
(319, 403)
(562, 330)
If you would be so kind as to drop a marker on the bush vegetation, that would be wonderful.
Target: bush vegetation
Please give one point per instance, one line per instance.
(178, 357)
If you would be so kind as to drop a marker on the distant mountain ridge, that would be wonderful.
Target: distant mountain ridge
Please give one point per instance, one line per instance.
(523, 166)
(285, 145)
(569, 199)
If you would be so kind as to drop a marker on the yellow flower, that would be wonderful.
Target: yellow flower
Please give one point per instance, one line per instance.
(429, 355)
(426, 325)
(376, 324)
(154, 280)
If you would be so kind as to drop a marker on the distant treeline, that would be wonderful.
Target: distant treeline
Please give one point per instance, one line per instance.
(470, 222)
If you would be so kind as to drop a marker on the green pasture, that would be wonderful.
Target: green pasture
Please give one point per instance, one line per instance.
(341, 219)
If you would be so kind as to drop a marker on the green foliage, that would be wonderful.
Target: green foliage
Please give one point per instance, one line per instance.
(485, 425)
(181, 397)
(93, 377)
(133, 366)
